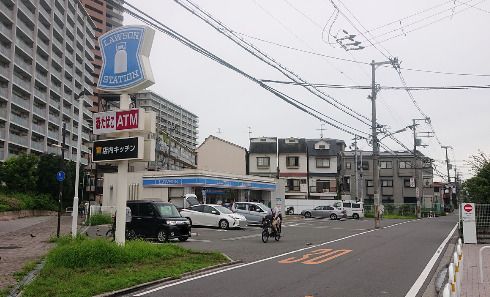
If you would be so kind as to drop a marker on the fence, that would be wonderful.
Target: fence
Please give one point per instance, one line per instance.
(405, 210)
(482, 214)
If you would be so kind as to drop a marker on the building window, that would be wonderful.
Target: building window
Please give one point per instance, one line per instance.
(348, 165)
(405, 164)
(385, 165)
(321, 147)
(322, 162)
(292, 162)
(387, 183)
(388, 199)
(293, 185)
(322, 186)
(406, 183)
(369, 183)
(263, 161)
(427, 182)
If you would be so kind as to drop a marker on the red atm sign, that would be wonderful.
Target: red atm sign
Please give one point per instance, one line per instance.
(117, 121)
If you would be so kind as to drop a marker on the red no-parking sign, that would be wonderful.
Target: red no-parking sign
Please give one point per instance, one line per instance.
(468, 207)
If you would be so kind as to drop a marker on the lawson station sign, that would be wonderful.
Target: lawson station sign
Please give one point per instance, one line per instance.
(125, 54)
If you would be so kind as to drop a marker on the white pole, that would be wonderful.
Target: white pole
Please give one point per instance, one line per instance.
(122, 185)
(74, 213)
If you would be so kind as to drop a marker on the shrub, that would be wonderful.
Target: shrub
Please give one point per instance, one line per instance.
(100, 219)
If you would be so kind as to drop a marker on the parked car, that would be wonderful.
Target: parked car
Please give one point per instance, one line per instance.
(156, 219)
(323, 212)
(214, 215)
(353, 209)
(254, 212)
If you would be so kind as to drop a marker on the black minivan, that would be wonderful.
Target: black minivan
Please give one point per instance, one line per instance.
(157, 219)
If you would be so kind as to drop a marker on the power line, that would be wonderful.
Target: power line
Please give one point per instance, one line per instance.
(144, 17)
(221, 28)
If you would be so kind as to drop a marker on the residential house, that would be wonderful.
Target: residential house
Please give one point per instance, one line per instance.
(218, 155)
(293, 166)
(322, 171)
(262, 157)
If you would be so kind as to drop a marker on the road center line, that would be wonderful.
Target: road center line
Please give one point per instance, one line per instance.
(425, 273)
(262, 260)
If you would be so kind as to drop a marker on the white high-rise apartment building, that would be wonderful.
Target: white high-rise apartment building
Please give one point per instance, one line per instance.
(181, 124)
(45, 63)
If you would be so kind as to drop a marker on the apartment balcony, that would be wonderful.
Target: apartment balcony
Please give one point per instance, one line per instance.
(23, 46)
(22, 102)
(5, 51)
(85, 148)
(5, 30)
(4, 93)
(20, 140)
(67, 112)
(38, 128)
(2, 133)
(44, 32)
(53, 134)
(40, 95)
(54, 119)
(21, 121)
(23, 64)
(38, 146)
(39, 111)
(28, 31)
(25, 10)
(44, 13)
(55, 104)
(85, 136)
(60, 16)
(6, 11)
(42, 78)
(43, 62)
(25, 84)
(57, 44)
(53, 150)
(3, 112)
(57, 89)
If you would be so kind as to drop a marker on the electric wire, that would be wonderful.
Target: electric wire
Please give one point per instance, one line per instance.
(147, 19)
(220, 27)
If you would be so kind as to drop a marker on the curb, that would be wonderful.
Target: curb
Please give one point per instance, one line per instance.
(160, 281)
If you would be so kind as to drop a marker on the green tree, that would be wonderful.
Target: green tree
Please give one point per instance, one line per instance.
(477, 188)
(19, 173)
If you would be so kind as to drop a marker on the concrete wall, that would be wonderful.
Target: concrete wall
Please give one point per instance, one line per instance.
(217, 155)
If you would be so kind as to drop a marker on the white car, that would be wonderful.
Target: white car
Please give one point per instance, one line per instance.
(213, 215)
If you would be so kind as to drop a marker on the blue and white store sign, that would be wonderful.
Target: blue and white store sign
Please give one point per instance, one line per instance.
(206, 182)
(125, 55)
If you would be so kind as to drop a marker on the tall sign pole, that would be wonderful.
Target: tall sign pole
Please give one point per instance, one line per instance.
(126, 68)
(74, 213)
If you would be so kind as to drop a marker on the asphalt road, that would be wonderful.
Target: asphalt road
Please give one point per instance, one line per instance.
(315, 258)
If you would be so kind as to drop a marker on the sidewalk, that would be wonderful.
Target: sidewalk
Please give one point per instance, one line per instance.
(25, 240)
(471, 286)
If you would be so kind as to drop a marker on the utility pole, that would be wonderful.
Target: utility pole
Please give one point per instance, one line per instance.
(356, 167)
(448, 166)
(62, 162)
(362, 179)
(374, 128)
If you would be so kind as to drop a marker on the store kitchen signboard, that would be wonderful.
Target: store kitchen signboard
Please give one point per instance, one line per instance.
(118, 121)
(125, 55)
(131, 148)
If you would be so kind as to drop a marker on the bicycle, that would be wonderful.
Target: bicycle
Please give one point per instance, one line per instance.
(130, 234)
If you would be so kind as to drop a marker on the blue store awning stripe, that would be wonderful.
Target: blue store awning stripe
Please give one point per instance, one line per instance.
(205, 182)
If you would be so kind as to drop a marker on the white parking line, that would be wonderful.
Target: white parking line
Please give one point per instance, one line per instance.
(260, 261)
(198, 240)
(241, 237)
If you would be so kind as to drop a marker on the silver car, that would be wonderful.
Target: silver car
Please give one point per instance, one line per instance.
(323, 212)
(254, 212)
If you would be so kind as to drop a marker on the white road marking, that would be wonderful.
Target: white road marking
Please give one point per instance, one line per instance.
(338, 228)
(259, 261)
(198, 240)
(425, 273)
(241, 237)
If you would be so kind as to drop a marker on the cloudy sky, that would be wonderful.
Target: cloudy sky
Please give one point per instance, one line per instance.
(426, 36)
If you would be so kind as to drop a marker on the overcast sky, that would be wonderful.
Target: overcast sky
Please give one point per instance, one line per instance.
(434, 35)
